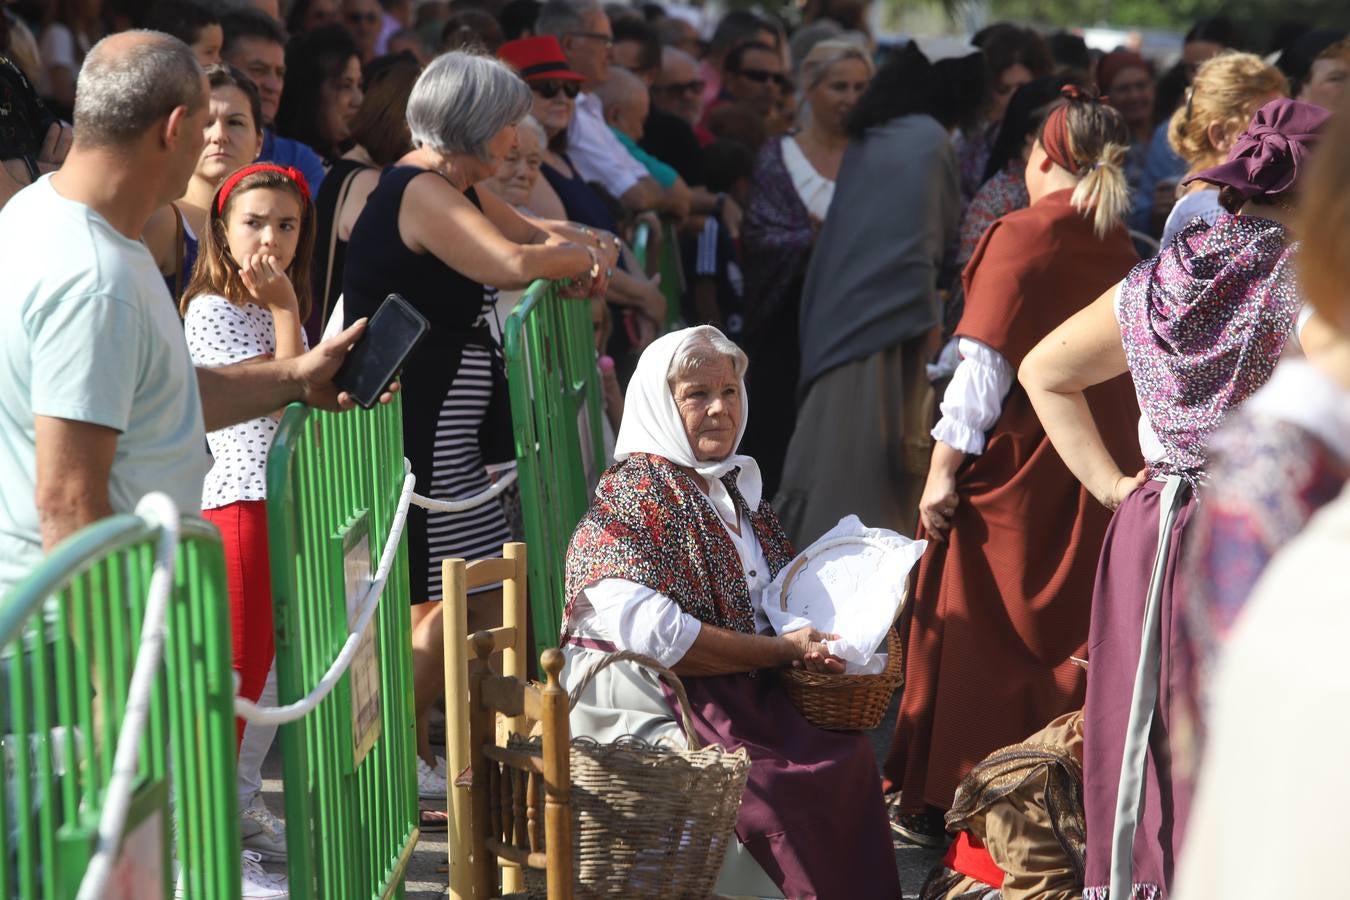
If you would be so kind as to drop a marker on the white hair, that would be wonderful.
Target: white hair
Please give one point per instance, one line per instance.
(706, 347)
(621, 88)
(531, 124)
(462, 100)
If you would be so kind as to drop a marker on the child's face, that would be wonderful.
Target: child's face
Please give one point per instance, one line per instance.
(263, 220)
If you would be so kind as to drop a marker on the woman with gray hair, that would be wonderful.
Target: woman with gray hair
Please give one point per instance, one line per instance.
(673, 561)
(427, 234)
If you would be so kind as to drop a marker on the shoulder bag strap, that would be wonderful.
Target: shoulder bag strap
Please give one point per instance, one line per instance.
(343, 191)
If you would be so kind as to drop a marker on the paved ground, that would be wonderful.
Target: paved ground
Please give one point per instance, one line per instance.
(425, 882)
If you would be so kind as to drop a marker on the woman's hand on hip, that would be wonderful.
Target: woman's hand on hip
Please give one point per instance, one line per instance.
(1122, 487)
(938, 504)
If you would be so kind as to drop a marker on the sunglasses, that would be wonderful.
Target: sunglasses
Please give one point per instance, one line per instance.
(760, 76)
(605, 39)
(549, 89)
(368, 18)
(683, 87)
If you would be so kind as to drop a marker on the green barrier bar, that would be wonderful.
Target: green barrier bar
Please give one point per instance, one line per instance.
(672, 276)
(642, 237)
(333, 484)
(68, 640)
(555, 411)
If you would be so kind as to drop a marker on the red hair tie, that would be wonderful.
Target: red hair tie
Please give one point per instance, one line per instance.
(294, 174)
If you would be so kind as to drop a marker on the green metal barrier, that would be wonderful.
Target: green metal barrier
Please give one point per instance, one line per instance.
(555, 410)
(68, 640)
(667, 263)
(333, 484)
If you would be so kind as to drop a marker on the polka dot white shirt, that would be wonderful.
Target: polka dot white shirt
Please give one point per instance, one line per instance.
(221, 333)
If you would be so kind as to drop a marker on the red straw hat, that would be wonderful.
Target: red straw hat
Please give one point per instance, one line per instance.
(538, 59)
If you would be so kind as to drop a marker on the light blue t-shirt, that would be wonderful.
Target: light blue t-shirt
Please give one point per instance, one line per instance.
(88, 333)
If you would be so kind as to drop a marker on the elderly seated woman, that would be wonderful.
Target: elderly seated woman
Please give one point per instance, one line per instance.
(672, 561)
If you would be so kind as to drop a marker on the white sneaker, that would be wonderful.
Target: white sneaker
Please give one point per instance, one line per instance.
(431, 782)
(259, 884)
(262, 831)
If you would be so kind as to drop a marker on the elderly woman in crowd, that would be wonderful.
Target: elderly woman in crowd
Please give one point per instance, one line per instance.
(793, 184)
(1126, 80)
(994, 479)
(871, 310)
(1199, 328)
(554, 88)
(1226, 92)
(428, 234)
(672, 561)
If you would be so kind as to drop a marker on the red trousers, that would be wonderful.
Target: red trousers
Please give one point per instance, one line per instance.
(243, 530)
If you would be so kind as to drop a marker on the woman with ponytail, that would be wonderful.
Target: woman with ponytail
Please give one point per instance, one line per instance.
(998, 611)
(1199, 328)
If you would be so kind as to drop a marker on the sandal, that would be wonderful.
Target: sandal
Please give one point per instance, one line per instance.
(925, 829)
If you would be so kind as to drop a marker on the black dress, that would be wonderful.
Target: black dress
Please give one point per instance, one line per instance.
(448, 383)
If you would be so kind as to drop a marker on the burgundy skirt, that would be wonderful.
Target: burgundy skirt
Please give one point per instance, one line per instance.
(1118, 601)
(812, 814)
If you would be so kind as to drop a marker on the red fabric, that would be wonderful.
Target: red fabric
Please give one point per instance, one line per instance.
(967, 856)
(1000, 607)
(243, 530)
(1055, 139)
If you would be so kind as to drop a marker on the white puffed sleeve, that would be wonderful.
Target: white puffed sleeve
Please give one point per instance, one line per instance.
(634, 617)
(974, 399)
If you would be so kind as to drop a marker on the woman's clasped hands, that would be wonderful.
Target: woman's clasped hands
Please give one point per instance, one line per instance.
(809, 646)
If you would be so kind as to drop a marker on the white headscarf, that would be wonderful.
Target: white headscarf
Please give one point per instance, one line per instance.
(652, 424)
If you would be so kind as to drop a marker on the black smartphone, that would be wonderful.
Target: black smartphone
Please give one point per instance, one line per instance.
(390, 337)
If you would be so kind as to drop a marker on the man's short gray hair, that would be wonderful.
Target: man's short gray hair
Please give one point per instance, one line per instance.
(706, 347)
(562, 17)
(123, 91)
(462, 100)
(619, 89)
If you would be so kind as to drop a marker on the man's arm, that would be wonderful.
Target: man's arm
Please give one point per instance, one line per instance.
(74, 463)
(234, 394)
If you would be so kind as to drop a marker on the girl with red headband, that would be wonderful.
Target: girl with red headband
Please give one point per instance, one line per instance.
(247, 300)
(1014, 537)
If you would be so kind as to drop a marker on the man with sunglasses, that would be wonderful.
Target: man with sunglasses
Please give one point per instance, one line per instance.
(583, 30)
(753, 75)
(365, 21)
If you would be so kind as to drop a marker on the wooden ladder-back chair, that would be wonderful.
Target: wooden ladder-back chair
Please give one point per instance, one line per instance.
(508, 783)
(458, 578)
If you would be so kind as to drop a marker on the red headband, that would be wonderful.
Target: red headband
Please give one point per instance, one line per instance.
(1055, 132)
(294, 174)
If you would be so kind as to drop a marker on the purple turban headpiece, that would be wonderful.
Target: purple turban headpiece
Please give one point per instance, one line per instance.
(1269, 153)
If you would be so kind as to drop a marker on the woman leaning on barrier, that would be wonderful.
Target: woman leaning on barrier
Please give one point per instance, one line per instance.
(428, 234)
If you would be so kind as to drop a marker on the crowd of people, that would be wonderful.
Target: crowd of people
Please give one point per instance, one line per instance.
(1077, 322)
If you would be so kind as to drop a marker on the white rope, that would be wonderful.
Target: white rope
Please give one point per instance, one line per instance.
(158, 510)
(451, 506)
(279, 715)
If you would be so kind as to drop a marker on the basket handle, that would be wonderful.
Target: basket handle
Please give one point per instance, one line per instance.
(671, 680)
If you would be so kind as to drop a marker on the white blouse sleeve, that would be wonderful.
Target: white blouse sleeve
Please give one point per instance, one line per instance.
(637, 618)
(974, 399)
(221, 333)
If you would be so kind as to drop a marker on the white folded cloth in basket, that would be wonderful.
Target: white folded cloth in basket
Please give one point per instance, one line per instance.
(850, 582)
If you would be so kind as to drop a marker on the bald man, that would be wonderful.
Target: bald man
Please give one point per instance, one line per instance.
(623, 98)
(101, 403)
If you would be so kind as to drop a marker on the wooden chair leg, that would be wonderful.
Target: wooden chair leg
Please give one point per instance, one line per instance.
(456, 624)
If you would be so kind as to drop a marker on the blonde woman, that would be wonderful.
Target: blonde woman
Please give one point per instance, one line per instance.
(1227, 91)
(994, 482)
(793, 184)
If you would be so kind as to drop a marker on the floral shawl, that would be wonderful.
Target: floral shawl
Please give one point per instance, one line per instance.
(650, 524)
(1203, 324)
(776, 238)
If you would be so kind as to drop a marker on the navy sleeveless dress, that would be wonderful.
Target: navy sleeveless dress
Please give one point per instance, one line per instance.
(447, 383)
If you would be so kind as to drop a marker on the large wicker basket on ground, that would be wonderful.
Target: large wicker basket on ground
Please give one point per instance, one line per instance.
(844, 702)
(650, 821)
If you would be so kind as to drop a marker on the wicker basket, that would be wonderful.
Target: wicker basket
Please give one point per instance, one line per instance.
(847, 702)
(844, 702)
(650, 821)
